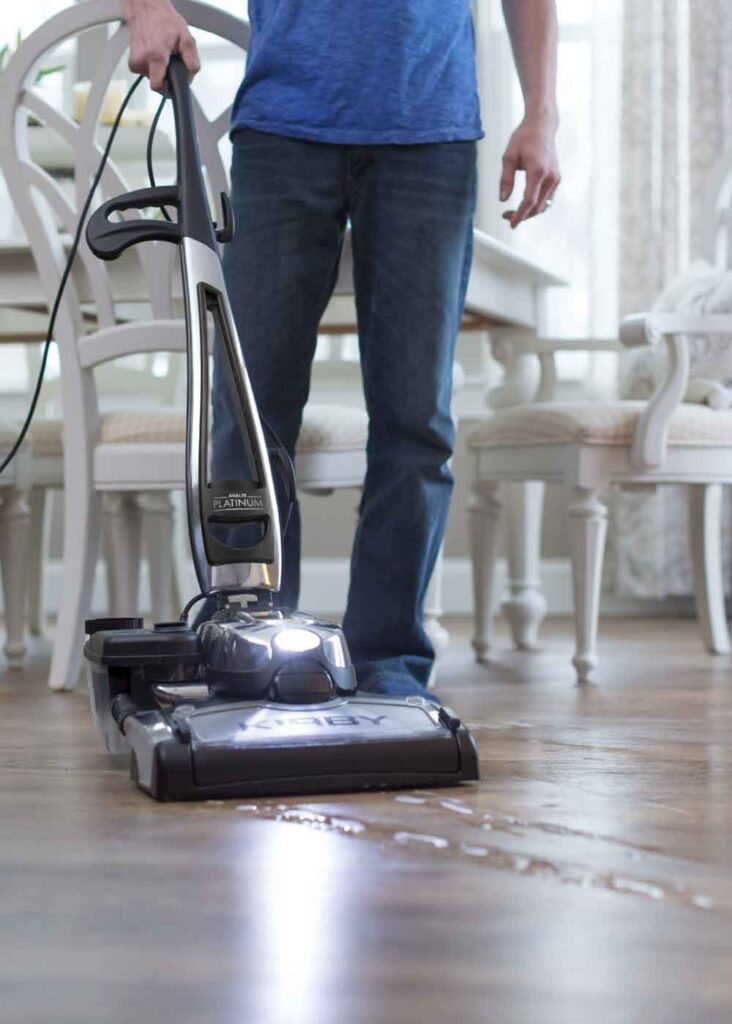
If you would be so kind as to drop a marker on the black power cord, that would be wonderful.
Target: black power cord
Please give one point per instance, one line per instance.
(149, 153)
(65, 277)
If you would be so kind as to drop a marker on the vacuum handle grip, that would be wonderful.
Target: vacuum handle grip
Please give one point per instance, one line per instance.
(108, 239)
(195, 215)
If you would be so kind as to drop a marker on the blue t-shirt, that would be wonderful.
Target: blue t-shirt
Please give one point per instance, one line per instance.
(361, 71)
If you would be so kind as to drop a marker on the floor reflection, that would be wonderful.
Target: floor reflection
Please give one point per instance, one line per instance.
(290, 896)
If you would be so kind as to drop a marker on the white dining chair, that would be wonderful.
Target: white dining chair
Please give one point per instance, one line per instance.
(23, 327)
(133, 524)
(136, 526)
(15, 487)
(588, 446)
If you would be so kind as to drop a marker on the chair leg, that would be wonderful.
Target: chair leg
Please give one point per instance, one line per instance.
(526, 605)
(14, 548)
(122, 552)
(588, 520)
(705, 523)
(82, 529)
(157, 533)
(484, 515)
(37, 561)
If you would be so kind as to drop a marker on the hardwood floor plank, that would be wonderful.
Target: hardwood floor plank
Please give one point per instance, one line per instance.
(587, 877)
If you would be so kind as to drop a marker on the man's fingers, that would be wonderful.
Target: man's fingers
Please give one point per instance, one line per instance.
(156, 32)
(508, 176)
(540, 188)
(157, 69)
(549, 186)
(155, 64)
(534, 178)
(189, 53)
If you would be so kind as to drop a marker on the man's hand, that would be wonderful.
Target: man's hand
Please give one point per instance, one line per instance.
(156, 32)
(532, 27)
(531, 149)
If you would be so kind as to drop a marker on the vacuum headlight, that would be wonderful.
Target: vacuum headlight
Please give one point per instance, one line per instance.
(295, 641)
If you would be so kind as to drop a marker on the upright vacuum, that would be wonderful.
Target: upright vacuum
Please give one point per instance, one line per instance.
(256, 701)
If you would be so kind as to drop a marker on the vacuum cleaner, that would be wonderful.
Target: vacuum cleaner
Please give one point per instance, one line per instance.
(258, 700)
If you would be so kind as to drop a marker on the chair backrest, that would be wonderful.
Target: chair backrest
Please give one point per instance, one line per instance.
(716, 215)
(44, 206)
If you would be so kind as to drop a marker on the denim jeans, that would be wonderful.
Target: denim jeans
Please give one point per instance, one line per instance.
(410, 210)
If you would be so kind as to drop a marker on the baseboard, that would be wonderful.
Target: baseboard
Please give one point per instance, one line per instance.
(325, 585)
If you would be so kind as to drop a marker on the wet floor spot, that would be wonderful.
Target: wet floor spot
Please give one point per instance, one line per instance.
(303, 816)
(326, 822)
(638, 887)
(405, 838)
(495, 855)
(456, 807)
(705, 902)
(498, 726)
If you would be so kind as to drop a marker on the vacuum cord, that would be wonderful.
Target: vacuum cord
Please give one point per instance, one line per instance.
(64, 279)
(149, 153)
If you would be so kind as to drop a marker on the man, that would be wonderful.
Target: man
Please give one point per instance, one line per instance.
(365, 112)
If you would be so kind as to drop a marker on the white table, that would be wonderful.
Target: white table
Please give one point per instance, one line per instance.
(505, 289)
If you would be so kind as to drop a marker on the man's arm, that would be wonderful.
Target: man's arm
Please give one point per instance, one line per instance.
(156, 32)
(532, 27)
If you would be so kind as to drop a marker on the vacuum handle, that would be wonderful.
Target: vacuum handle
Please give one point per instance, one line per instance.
(194, 214)
(212, 505)
(108, 239)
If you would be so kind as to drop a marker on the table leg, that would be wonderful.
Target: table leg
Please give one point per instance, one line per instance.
(525, 606)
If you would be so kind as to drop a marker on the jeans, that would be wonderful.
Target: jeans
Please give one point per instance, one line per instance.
(410, 210)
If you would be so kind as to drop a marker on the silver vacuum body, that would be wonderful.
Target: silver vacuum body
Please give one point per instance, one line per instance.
(288, 657)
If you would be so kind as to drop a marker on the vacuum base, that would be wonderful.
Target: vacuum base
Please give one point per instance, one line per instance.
(248, 749)
(260, 705)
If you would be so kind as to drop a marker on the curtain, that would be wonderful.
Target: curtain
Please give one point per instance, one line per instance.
(676, 125)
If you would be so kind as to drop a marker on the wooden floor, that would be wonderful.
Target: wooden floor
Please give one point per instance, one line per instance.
(586, 879)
